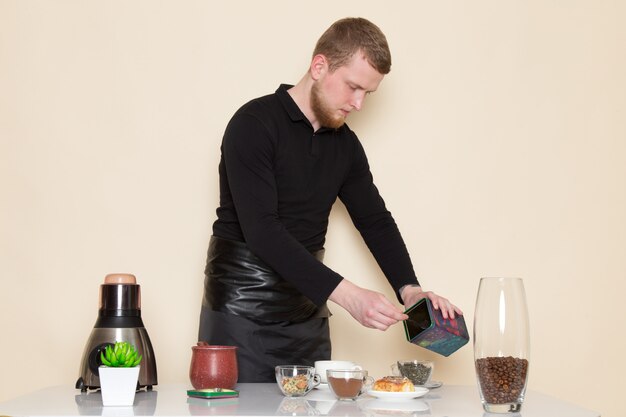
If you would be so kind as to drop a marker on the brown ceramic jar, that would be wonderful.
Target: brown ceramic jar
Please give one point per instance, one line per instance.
(213, 366)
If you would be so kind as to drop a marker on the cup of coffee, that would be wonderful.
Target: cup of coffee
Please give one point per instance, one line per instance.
(322, 366)
(348, 384)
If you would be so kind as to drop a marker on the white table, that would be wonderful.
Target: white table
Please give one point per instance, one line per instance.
(266, 400)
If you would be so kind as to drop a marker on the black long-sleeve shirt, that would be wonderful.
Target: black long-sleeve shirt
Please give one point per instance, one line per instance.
(278, 181)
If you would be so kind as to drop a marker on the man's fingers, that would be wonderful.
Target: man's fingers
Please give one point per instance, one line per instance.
(448, 310)
(381, 314)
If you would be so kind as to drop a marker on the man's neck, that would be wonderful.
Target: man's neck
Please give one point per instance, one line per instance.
(301, 95)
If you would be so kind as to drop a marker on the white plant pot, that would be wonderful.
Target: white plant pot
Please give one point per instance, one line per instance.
(118, 385)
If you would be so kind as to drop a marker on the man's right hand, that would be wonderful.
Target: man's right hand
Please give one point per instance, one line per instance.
(370, 308)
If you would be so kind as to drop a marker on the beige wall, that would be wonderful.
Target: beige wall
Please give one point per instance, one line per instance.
(498, 141)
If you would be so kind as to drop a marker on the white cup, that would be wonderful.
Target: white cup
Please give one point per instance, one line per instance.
(322, 366)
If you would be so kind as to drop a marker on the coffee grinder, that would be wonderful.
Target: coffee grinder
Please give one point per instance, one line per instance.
(119, 320)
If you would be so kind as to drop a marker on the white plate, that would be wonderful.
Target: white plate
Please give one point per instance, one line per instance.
(322, 386)
(405, 395)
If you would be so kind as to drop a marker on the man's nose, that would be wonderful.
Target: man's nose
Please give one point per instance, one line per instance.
(357, 100)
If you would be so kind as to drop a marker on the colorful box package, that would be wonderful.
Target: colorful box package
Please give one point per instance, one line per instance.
(427, 328)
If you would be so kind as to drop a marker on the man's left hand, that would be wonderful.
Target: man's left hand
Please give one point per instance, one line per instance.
(412, 294)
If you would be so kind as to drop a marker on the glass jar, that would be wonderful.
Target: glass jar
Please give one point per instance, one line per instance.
(501, 344)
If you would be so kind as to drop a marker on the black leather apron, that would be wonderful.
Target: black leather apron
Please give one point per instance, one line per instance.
(238, 282)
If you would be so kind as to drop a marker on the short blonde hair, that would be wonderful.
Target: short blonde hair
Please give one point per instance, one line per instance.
(347, 36)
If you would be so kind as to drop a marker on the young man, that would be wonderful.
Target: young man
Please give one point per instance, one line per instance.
(286, 157)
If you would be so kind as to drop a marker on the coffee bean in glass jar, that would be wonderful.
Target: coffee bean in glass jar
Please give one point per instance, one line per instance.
(502, 379)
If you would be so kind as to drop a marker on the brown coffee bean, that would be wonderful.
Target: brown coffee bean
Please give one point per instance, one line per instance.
(501, 379)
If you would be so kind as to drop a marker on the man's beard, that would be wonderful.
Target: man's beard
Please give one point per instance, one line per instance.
(325, 116)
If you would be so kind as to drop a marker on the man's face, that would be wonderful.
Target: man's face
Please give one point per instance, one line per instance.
(335, 94)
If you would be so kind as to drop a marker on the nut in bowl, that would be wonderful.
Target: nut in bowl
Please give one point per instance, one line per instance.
(296, 380)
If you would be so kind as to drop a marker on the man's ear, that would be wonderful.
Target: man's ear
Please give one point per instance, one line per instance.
(319, 65)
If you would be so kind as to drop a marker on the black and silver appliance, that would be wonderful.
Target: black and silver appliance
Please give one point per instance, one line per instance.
(119, 319)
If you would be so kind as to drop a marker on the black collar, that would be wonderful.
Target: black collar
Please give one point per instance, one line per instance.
(292, 109)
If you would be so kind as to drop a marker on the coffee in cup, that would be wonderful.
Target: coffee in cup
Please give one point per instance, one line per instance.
(348, 384)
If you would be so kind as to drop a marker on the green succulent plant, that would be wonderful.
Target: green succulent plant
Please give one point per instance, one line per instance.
(120, 355)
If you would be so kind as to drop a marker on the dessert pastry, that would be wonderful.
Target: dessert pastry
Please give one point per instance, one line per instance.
(393, 384)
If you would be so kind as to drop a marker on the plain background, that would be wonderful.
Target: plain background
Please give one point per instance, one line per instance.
(498, 141)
